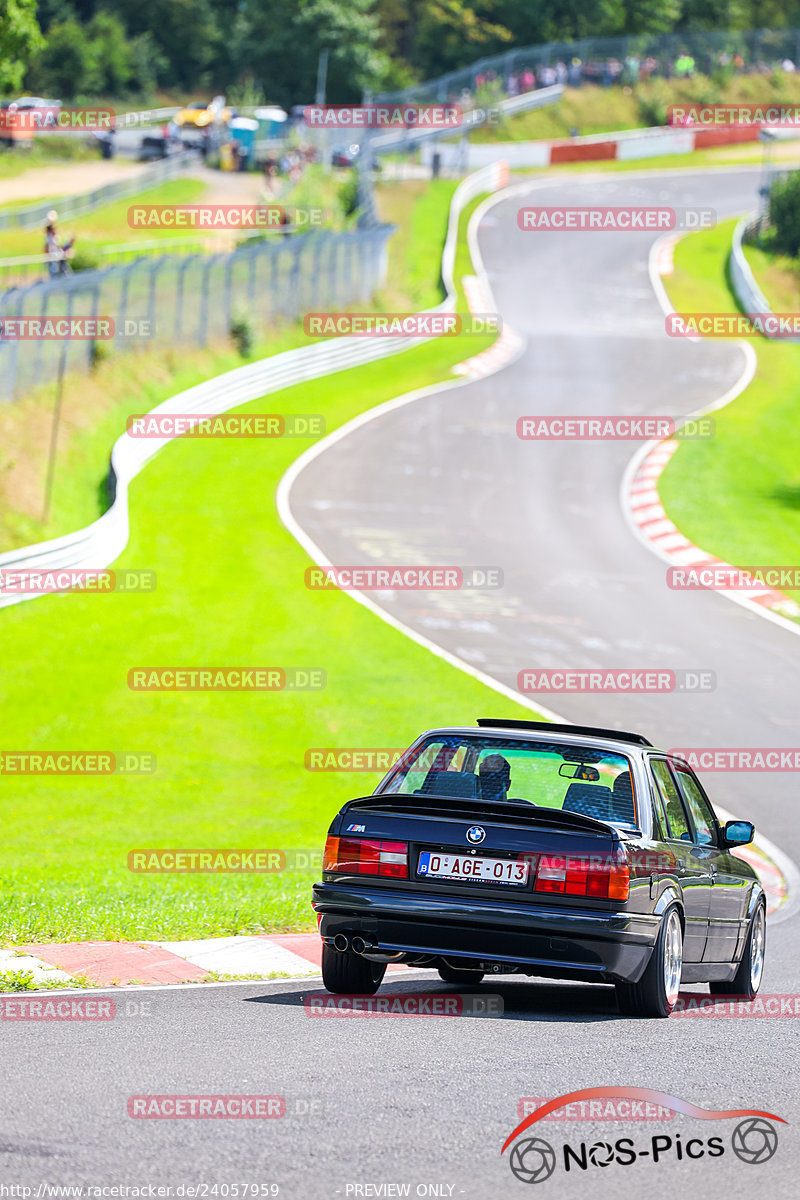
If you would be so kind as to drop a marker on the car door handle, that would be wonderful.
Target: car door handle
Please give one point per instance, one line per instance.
(680, 869)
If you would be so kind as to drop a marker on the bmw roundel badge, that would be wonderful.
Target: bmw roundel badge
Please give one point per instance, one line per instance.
(475, 834)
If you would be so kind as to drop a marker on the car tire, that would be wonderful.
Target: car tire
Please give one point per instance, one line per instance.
(656, 993)
(747, 979)
(345, 972)
(454, 975)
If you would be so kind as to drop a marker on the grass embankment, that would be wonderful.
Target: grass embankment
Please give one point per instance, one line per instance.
(95, 407)
(737, 494)
(230, 767)
(108, 225)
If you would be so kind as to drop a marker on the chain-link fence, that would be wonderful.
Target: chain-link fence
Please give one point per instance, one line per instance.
(182, 300)
(610, 60)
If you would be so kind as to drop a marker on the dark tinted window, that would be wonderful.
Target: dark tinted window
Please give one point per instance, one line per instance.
(676, 814)
(659, 820)
(698, 807)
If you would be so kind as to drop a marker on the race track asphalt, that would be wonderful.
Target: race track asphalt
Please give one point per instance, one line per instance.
(427, 1103)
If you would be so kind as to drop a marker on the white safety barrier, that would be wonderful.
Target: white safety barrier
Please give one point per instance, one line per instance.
(748, 294)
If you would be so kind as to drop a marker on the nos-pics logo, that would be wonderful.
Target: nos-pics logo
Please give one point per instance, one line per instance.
(754, 1139)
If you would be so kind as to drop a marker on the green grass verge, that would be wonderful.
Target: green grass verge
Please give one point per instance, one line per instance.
(108, 225)
(96, 407)
(230, 768)
(778, 276)
(737, 494)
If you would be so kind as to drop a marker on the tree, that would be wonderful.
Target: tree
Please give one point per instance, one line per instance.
(784, 213)
(186, 34)
(20, 37)
(112, 53)
(66, 65)
(278, 42)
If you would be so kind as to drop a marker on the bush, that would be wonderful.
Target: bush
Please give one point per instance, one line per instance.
(86, 257)
(99, 352)
(242, 333)
(348, 195)
(784, 213)
(652, 102)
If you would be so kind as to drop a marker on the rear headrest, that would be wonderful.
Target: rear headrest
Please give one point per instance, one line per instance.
(450, 783)
(623, 796)
(588, 799)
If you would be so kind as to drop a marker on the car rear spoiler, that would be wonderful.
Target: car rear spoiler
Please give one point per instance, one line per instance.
(436, 806)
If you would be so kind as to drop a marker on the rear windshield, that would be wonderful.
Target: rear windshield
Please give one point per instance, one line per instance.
(575, 778)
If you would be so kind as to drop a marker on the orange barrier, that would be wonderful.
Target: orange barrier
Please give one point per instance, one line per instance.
(725, 136)
(587, 152)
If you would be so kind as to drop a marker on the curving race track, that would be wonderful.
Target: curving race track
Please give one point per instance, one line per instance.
(445, 480)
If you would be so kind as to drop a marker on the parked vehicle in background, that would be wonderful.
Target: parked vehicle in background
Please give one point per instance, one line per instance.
(200, 114)
(25, 103)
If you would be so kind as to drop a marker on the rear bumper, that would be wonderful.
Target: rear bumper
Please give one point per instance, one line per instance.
(560, 942)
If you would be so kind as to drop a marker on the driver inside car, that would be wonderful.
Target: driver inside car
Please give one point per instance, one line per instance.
(494, 779)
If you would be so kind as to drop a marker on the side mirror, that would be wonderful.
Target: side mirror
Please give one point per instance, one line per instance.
(738, 833)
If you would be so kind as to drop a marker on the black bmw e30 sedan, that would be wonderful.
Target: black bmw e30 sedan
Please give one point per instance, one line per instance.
(540, 849)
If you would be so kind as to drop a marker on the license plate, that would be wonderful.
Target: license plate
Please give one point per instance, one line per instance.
(502, 871)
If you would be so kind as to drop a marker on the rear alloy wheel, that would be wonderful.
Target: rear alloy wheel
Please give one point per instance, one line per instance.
(454, 975)
(347, 973)
(747, 979)
(656, 993)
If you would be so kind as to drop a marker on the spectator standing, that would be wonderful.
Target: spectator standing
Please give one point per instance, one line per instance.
(58, 263)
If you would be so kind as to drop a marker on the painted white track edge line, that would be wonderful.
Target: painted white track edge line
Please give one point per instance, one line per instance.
(315, 552)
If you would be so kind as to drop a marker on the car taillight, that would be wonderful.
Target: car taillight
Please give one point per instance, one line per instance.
(599, 876)
(366, 856)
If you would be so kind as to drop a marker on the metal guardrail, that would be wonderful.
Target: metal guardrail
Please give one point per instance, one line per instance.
(30, 215)
(99, 544)
(474, 118)
(145, 117)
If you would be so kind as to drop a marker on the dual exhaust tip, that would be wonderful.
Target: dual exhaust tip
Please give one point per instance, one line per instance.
(358, 944)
